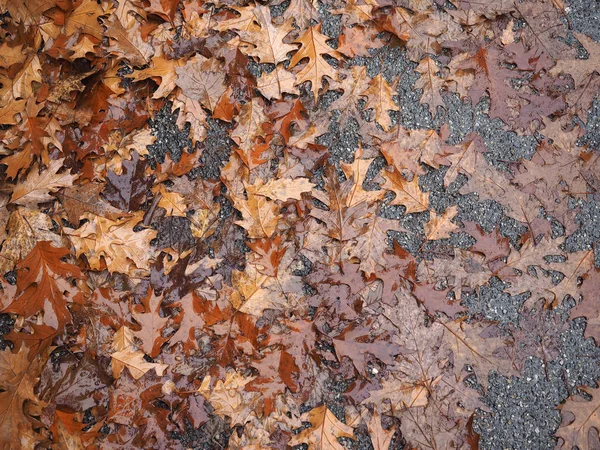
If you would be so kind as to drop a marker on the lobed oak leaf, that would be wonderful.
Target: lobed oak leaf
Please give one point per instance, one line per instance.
(135, 361)
(412, 147)
(440, 227)
(18, 376)
(401, 395)
(242, 22)
(128, 190)
(431, 84)
(249, 126)
(578, 433)
(469, 347)
(324, 432)
(230, 398)
(172, 202)
(277, 372)
(28, 13)
(191, 320)
(407, 193)
(43, 285)
(314, 46)
(257, 291)
(123, 249)
(462, 161)
(283, 189)
(356, 172)
(267, 40)
(380, 98)
(126, 39)
(352, 86)
(84, 19)
(373, 243)
(380, 438)
(492, 245)
(274, 84)
(165, 69)
(202, 80)
(37, 186)
(81, 199)
(585, 73)
(148, 316)
(259, 215)
(267, 254)
(358, 40)
(26, 227)
(355, 343)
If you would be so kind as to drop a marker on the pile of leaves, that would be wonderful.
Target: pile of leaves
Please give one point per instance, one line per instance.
(190, 260)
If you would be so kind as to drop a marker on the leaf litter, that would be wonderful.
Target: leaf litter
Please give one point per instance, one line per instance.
(337, 224)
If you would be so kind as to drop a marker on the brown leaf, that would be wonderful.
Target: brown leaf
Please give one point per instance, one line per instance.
(38, 186)
(314, 46)
(18, 377)
(325, 430)
(440, 227)
(587, 418)
(380, 98)
(122, 249)
(78, 200)
(431, 84)
(25, 227)
(380, 438)
(43, 285)
(407, 193)
(148, 316)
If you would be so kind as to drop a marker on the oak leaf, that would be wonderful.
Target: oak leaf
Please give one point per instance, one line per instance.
(259, 215)
(587, 417)
(25, 227)
(38, 186)
(129, 189)
(412, 147)
(324, 432)
(470, 348)
(135, 361)
(314, 46)
(440, 227)
(277, 372)
(148, 316)
(380, 99)
(165, 69)
(267, 40)
(18, 377)
(380, 438)
(78, 200)
(123, 249)
(202, 80)
(249, 126)
(230, 398)
(43, 285)
(431, 84)
(283, 189)
(407, 193)
(400, 395)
